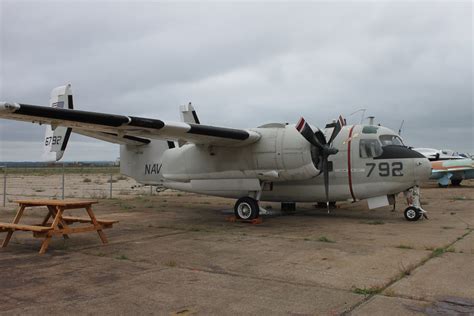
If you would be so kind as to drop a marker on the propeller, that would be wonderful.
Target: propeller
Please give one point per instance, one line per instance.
(325, 149)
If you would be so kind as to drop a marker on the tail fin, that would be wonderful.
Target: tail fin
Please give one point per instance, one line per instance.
(57, 137)
(188, 114)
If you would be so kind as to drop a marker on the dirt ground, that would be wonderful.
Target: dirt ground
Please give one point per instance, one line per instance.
(175, 254)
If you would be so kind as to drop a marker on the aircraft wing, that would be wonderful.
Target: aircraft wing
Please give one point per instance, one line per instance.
(445, 166)
(113, 127)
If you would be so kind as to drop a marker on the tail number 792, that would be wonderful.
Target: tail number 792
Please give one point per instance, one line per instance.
(385, 169)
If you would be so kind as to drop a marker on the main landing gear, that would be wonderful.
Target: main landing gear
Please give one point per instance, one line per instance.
(246, 208)
(414, 211)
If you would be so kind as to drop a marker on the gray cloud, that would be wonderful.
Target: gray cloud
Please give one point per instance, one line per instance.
(244, 64)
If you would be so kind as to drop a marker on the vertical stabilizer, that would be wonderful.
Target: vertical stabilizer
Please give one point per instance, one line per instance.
(188, 114)
(57, 137)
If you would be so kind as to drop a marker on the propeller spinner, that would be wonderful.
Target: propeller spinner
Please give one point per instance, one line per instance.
(324, 147)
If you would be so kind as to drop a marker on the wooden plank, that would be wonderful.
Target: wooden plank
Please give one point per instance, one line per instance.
(94, 221)
(45, 244)
(62, 224)
(45, 202)
(33, 228)
(75, 230)
(18, 215)
(73, 219)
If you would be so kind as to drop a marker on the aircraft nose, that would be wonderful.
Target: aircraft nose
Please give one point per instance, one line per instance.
(422, 169)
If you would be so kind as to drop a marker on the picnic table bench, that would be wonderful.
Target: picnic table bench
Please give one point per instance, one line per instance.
(60, 224)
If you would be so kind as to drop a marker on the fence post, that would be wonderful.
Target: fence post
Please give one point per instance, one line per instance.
(111, 180)
(4, 186)
(151, 190)
(63, 184)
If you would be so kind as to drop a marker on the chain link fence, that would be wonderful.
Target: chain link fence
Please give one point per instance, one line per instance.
(68, 182)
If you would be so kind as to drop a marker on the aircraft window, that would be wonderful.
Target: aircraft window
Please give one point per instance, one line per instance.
(369, 148)
(391, 140)
(369, 129)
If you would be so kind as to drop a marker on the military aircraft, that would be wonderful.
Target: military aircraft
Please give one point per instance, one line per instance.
(279, 162)
(448, 166)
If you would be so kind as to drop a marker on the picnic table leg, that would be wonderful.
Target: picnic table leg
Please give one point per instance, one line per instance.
(19, 214)
(45, 244)
(94, 221)
(57, 218)
(62, 223)
(47, 217)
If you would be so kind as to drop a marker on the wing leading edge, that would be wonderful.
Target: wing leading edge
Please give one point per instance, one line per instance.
(132, 126)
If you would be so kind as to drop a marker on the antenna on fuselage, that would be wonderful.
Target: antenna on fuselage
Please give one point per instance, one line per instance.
(363, 114)
(400, 129)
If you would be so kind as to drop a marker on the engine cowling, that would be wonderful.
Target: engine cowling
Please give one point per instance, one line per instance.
(281, 154)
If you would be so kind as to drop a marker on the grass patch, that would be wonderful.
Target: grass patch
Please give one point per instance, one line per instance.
(447, 227)
(86, 180)
(367, 291)
(404, 247)
(461, 198)
(376, 222)
(404, 271)
(122, 257)
(437, 252)
(171, 263)
(325, 239)
(451, 249)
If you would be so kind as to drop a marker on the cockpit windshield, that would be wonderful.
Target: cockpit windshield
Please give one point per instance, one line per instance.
(391, 140)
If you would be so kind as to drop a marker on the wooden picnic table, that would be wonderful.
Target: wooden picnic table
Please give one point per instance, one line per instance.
(60, 224)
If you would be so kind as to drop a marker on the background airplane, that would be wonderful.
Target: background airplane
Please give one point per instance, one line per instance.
(448, 166)
(274, 162)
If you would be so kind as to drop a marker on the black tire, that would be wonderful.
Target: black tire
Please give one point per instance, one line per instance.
(412, 214)
(246, 208)
(456, 182)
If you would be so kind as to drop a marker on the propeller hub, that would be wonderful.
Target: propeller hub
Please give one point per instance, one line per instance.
(330, 150)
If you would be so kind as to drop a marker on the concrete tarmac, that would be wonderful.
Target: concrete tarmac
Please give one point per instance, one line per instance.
(175, 254)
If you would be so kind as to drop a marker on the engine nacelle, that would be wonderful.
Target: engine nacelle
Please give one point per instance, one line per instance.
(281, 154)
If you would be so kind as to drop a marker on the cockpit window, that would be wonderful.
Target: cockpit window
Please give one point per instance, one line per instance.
(369, 148)
(391, 140)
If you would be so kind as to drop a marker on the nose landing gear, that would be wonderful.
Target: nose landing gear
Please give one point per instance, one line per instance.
(414, 211)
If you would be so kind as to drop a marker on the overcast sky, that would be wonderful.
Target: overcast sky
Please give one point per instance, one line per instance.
(242, 65)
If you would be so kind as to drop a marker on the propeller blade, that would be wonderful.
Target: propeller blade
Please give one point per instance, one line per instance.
(320, 136)
(307, 132)
(339, 124)
(326, 180)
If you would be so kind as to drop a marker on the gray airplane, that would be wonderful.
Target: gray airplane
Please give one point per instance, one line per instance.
(279, 162)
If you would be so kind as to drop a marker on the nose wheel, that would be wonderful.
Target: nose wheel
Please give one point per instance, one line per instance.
(414, 211)
(412, 214)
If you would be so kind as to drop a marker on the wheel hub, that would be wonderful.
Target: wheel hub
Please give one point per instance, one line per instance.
(411, 214)
(244, 210)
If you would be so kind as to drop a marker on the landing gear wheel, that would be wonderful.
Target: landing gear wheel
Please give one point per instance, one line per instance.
(456, 182)
(246, 208)
(412, 214)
